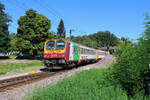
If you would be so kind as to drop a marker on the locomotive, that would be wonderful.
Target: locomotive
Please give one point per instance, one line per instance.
(62, 52)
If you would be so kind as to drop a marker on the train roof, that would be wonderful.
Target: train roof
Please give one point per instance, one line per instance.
(74, 42)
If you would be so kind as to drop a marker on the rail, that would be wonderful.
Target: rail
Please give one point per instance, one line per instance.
(10, 83)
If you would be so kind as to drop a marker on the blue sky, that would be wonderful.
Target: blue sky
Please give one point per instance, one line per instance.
(121, 17)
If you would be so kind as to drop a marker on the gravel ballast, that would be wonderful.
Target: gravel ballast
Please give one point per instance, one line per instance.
(20, 92)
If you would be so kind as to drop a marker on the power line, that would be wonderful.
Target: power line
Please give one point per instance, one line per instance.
(17, 5)
(44, 5)
(52, 9)
(22, 4)
(13, 23)
(41, 4)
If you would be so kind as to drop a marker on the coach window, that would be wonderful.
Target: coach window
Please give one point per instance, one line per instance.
(86, 51)
(91, 52)
(81, 50)
(94, 52)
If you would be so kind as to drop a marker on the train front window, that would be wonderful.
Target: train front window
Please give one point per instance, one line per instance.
(50, 45)
(60, 44)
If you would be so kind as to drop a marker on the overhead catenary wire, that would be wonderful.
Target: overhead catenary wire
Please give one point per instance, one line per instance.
(39, 3)
(59, 15)
(52, 9)
(43, 5)
(23, 5)
(10, 2)
(17, 5)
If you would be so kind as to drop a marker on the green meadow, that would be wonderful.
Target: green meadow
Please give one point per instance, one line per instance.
(20, 66)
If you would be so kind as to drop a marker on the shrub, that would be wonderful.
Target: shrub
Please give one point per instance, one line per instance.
(131, 70)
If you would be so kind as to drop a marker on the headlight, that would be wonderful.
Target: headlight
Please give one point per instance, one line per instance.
(45, 56)
(62, 55)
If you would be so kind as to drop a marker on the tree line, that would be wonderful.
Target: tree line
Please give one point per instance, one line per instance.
(99, 39)
(34, 28)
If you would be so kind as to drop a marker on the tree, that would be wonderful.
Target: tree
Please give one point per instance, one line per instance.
(123, 39)
(33, 30)
(132, 70)
(4, 34)
(99, 39)
(145, 39)
(106, 39)
(13, 40)
(61, 32)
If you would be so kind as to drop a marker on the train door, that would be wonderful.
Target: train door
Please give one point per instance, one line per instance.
(75, 52)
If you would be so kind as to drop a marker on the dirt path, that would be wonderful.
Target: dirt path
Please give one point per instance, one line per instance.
(19, 92)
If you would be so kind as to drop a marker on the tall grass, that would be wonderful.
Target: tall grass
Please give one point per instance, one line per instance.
(13, 67)
(87, 85)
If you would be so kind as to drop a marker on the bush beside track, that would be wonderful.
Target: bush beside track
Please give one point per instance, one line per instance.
(87, 85)
(20, 66)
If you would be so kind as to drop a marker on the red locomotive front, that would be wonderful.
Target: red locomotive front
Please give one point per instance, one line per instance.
(56, 52)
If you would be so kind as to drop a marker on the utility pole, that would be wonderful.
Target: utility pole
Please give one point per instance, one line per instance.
(71, 30)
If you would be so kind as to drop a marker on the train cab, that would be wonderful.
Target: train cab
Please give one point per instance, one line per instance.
(55, 52)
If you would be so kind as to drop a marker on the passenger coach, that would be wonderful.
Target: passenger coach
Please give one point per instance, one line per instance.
(62, 52)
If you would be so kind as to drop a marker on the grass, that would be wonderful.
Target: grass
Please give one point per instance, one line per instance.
(86, 85)
(20, 66)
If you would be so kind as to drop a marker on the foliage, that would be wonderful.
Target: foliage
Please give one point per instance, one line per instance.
(13, 67)
(33, 30)
(145, 39)
(106, 39)
(61, 32)
(13, 40)
(4, 34)
(124, 39)
(132, 69)
(99, 39)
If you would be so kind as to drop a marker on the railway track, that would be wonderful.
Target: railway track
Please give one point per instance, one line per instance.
(10, 83)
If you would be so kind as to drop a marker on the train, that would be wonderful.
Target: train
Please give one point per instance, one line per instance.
(63, 52)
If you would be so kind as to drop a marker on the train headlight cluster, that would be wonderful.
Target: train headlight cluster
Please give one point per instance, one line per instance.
(62, 55)
(45, 56)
